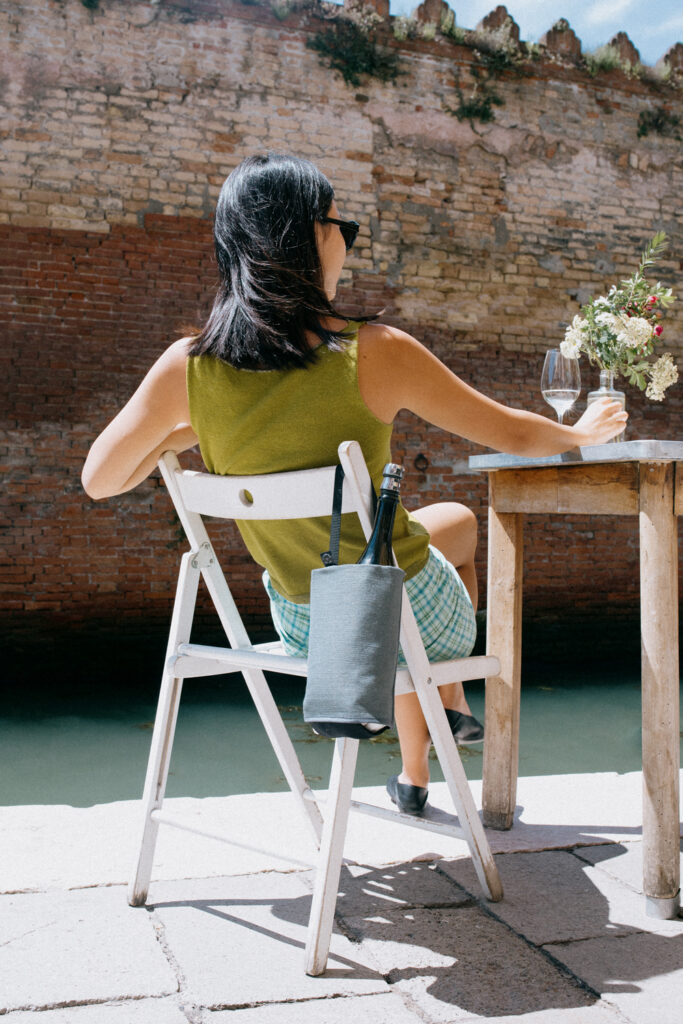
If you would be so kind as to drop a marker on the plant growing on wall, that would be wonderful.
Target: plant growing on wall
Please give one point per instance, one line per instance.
(411, 28)
(350, 46)
(659, 121)
(608, 58)
(496, 53)
(452, 31)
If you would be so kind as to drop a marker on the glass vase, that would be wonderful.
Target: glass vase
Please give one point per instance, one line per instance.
(608, 390)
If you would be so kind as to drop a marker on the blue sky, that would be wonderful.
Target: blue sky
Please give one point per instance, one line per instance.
(653, 27)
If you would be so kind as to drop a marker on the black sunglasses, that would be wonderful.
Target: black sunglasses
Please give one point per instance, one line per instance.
(348, 228)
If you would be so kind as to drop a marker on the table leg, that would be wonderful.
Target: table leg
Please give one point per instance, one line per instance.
(504, 639)
(660, 683)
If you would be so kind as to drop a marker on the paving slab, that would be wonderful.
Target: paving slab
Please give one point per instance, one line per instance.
(623, 862)
(640, 974)
(240, 941)
(365, 890)
(561, 811)
(81, 946)
(144, 1011)
(599, 1013)
(379, 1009)
(68, 847)
(457, 964)
(627, 907)
(557, 897)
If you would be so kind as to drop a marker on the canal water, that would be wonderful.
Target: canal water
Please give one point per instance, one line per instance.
(87, 742)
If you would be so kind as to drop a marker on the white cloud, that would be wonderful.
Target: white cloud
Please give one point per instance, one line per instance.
(606, 11)
(671, 25)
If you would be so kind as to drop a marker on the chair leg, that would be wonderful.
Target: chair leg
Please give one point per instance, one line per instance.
(155, 785)
(461, 794)
(164, 730)
(284, 749)
(263, 699)
(331, 854)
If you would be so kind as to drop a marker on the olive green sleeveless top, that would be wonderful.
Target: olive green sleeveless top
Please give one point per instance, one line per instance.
(270, 421)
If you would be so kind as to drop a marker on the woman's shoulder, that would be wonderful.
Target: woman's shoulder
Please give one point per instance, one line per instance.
(386, 347)
(385, 356)
(177, 357)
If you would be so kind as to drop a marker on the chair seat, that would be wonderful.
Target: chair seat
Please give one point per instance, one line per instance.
(203, 660)
(457, 671)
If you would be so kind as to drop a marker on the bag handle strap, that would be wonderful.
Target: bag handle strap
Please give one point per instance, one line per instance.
(331, 557)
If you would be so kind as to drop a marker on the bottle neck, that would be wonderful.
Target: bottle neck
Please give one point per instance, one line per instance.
(379, 550)
(607, 380)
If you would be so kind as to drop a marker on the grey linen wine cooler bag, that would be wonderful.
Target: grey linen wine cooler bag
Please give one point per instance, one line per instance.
(353, 642)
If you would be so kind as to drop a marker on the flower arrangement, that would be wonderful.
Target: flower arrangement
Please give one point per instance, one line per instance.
(618, 331)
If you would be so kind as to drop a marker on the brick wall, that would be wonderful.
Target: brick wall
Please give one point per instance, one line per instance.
(119, 126)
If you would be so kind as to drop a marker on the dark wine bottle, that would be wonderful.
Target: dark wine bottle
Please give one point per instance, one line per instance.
(378, 550)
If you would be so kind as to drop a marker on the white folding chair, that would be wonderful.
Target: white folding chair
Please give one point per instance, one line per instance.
(293, 495)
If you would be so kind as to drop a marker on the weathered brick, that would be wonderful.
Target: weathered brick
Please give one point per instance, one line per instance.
(478, 242)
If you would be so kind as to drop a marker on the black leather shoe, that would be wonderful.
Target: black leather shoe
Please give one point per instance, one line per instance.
(408, 799)
(465, 728)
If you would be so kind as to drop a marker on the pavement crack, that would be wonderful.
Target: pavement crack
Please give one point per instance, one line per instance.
(31, 931)
(214, 1007)
(160, 934)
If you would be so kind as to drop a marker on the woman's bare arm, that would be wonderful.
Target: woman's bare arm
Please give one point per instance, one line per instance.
(397, 372)
(155, 420)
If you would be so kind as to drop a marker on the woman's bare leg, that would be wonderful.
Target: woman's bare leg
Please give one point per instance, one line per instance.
(414, 740)
(453, 530)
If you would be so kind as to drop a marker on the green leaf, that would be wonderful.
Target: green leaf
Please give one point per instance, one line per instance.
(654, 250)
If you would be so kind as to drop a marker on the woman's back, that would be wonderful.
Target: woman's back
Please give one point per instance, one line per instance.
(268, 421)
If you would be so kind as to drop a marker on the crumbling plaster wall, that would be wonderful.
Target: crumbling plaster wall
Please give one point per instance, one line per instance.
(119, 126)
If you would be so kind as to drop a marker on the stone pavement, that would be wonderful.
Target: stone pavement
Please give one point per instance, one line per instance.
(221, 940)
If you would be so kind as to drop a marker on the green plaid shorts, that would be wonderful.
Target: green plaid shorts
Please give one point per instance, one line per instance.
(439, 601)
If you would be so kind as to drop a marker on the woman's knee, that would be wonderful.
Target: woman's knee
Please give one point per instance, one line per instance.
(468, 522)
(452, 529)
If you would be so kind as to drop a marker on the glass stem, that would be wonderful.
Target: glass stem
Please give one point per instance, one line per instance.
(560, 417)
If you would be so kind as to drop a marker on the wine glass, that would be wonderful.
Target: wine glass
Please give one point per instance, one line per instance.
(560, 381)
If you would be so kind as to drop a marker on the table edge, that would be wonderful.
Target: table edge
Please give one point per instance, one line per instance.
(624, 451)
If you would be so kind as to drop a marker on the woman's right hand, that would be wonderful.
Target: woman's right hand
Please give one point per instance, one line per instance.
(601, 421)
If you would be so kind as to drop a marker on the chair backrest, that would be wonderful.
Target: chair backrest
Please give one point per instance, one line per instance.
(294, 495)
(299, 494)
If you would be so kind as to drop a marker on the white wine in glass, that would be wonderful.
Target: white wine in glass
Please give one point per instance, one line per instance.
(560, 381)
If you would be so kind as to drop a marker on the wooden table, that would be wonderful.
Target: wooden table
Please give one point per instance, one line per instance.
(634, 478)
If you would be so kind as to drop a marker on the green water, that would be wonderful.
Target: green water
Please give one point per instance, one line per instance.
(85, 748)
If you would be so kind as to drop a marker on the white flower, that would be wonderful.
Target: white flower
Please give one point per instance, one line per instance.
(608, 320)
(573, 338)
(570, 349)
(635, 332)
(663, 374)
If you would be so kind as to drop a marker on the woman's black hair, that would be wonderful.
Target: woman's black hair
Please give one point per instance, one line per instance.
(271, 288)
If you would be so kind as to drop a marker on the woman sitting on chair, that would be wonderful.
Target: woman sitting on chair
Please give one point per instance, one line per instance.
(279, 377)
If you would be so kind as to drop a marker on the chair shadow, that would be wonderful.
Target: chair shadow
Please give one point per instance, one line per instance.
(419, 929)
(426, 933)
